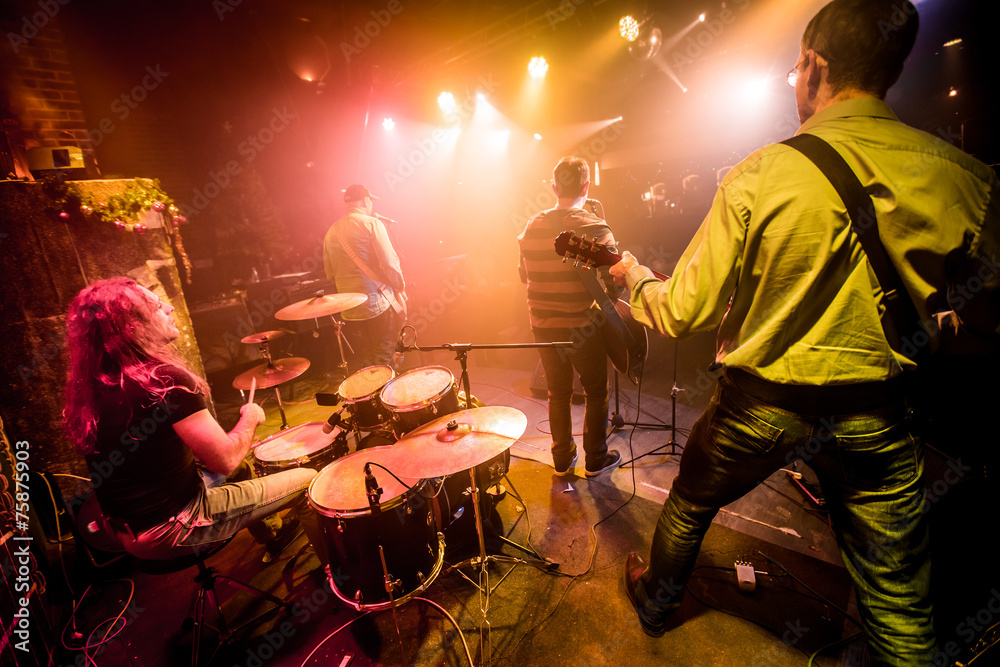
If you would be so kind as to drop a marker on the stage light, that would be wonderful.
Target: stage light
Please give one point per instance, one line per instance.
(628, 28)
(538, 67)
(538, 137)
(952, 93)
(447, 103)
(953, 42)
(647, 43)
(701, 17)
(388, 123)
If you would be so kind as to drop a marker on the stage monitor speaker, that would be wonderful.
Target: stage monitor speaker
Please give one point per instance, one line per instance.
(540, 386)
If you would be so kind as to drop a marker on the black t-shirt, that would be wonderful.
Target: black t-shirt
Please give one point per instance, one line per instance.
(143, 473)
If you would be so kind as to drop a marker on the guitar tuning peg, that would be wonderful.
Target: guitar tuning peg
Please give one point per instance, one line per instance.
(576, 264)
(572, 241)
(565, 257)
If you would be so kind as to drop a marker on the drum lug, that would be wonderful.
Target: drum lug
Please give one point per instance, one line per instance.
(420, 577)
(359, 598)
(340, 526)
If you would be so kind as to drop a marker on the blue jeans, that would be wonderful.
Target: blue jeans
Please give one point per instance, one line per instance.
(870, 466)
(590, 359)
(373, 340)
(218, 512)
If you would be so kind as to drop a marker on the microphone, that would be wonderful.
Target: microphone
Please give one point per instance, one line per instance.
(400, 345)
(372, 489)
(385, 219)
(333, 422)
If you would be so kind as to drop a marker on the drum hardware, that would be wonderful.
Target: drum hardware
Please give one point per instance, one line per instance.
(502, 434)
(323, 305)
(271, 373)
(374, 493)
(360, 394)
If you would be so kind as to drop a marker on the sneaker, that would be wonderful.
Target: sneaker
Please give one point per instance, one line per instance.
(611, 460)
(567, 469)
(286, 535)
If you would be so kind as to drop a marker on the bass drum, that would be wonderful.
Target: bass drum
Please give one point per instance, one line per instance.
(399, 530)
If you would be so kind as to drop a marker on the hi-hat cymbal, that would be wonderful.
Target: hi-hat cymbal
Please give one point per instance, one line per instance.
(457, 442)
(279, 371)
(318, 306)
(263, 336)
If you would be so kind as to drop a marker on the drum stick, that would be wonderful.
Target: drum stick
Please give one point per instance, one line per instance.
(253, 388)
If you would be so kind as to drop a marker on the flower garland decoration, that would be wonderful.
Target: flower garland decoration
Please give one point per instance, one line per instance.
(125, 210)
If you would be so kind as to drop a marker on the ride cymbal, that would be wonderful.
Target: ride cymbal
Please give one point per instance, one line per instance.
(319, 306)
(457, 442)
(269, 375)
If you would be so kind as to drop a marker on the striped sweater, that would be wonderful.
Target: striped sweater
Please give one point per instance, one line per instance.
(557, 298)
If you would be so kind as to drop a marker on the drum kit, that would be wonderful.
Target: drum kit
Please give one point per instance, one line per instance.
(385, 509)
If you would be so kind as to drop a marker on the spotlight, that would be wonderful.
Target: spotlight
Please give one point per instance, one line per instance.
(953, 42)
(952, 92)
(701, 17)
(538, 137)
(538, 67)
(647, 43)
(388, 123)
(447, 103)
(628, 27)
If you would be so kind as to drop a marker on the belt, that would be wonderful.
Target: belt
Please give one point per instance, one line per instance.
(834, 399)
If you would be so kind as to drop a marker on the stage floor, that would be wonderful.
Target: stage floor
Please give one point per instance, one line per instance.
(574, 612)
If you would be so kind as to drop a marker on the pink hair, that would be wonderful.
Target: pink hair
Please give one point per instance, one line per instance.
(111, 335)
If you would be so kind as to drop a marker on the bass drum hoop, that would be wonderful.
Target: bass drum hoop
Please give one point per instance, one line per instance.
(377, 606)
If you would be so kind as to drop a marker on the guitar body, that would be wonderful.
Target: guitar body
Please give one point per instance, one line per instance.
(627, 342)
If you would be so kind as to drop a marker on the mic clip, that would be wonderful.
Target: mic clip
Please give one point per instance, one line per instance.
(372, 490)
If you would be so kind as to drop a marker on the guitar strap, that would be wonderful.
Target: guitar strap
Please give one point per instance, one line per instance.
(902, 314)
(365, 269)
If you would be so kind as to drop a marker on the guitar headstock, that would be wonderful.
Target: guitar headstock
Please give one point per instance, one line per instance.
(583, 250)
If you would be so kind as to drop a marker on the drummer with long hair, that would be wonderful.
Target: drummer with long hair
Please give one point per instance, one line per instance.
(138, 415)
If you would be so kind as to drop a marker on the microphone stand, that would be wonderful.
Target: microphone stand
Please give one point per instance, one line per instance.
(483, 560)
(672, 447)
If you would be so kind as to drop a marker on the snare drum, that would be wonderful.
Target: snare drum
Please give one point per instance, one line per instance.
(360, 392)
(303, 446)
(419, 396)
(401, 528)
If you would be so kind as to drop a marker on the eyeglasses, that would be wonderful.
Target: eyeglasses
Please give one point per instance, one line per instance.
(792, 76)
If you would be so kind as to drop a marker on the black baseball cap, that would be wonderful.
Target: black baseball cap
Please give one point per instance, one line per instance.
(357, 192)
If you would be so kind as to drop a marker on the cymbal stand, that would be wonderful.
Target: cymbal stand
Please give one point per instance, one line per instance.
(338, 331)
(483, 560)
(265, 352)
(672, 447)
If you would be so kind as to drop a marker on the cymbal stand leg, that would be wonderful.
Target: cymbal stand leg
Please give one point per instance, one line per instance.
(338, 331)
(485, 641)
(281, 409)
(390, 586)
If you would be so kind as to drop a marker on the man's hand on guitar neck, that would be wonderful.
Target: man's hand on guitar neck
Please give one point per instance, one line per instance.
(619, 270)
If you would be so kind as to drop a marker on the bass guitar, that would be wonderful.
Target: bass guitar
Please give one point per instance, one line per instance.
(626, 339)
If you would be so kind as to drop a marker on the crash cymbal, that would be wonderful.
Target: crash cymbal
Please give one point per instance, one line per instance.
(318, 306)
(457, 442)
(280, 371)
(263, 336)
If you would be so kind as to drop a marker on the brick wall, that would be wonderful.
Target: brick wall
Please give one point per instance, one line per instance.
(39, 100)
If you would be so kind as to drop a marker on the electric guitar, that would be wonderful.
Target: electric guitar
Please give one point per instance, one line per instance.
(626, 339)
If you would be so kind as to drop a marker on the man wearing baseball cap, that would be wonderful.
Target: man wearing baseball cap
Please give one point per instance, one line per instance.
(359, 257)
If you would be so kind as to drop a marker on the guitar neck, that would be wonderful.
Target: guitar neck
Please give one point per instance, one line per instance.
(589, 253)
